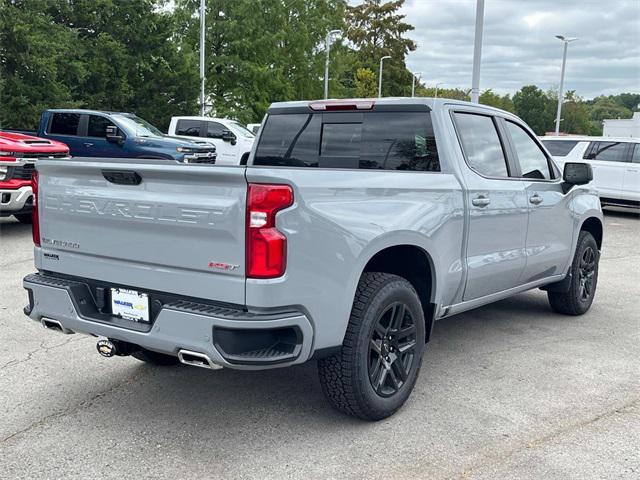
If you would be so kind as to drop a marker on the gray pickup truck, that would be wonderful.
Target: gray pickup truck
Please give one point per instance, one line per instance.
(355, 225)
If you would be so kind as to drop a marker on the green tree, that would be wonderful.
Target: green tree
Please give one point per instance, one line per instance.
(376, 29)
(605, 107)
(534, 107)
(366, 83)
(488, 97)
(260, 51)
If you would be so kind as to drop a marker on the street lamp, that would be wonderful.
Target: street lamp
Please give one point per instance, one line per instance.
(202, 78)
(416, 75)
(380, 75)
(327, 43)
(566, 41)
(477, 52)
(437, 84)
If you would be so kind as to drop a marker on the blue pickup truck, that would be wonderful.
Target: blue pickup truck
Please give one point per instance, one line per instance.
(94, 133)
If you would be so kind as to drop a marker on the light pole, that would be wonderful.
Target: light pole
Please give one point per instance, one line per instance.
(202, 28)
(416, 75)
(380, 76)
(477, 52)
(327, 43)
(437, 84)
(566, 41)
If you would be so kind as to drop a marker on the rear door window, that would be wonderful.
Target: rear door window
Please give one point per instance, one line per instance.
(372, 140)
(533, 161)
(64, 124)
(190, 128)
(97, 126)
(608, 152)
(559, 148)
(481, 144)
(636, 153)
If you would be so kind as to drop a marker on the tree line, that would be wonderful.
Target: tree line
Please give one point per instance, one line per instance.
(142, 56)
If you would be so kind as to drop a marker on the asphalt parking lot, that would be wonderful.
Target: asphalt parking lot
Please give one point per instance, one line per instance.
(511, 390)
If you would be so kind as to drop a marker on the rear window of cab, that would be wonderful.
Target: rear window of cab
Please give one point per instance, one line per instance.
(356, 140)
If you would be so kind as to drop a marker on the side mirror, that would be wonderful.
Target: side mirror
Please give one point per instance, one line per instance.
(112, 135)
(576, 174)
(228, 136)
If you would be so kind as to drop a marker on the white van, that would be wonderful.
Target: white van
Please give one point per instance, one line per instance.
(232, 140)
(615, 163)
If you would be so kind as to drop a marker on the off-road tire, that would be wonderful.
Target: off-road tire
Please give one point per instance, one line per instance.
(574, 301)
(345, 377)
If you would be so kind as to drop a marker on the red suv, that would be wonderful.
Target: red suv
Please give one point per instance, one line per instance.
(18, 153)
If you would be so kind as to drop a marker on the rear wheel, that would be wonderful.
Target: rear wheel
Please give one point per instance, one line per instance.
(375, 371)
(155, 358)
(584, 279)
(23, 217)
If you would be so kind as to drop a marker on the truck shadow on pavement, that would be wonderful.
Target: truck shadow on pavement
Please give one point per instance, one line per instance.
(10, 228)
(204, 401)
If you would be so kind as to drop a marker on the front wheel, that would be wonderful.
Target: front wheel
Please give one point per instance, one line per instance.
(375, 371)
(584, 279)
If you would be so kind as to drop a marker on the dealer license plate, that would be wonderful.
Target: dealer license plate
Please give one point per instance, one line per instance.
(130, 304)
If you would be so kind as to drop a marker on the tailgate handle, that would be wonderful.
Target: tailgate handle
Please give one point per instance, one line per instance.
(122, 177)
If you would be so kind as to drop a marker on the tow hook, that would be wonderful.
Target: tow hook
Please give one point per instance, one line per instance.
(110, 348)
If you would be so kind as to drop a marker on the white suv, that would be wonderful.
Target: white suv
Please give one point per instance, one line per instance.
(615, 163)
(232, 140)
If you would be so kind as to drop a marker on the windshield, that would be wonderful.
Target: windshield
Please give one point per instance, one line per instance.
(242, 130)
(140, 126)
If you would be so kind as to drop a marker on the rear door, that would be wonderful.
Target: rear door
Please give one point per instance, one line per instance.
(498, 208)
(179, 230)
(64, 127)
(550, 226)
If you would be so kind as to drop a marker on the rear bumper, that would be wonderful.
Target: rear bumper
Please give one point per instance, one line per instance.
(180, 325)
(15, 201)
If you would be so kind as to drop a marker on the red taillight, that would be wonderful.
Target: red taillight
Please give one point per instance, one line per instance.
(35, 218)
(266, 246)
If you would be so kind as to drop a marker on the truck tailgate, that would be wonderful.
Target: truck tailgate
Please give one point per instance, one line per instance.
(180, 230)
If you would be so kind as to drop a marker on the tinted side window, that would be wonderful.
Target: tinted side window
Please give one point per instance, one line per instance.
(373, 140)
(636, 153)
(608, 152)
(533, 161)
(559, 148)
(98, 126)
(65, 123)
(215, 129)
(190, 128)
(481, 144)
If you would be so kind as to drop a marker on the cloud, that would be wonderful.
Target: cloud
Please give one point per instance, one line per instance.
(520, 48)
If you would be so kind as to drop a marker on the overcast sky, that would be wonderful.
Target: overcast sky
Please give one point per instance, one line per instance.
(519, 47)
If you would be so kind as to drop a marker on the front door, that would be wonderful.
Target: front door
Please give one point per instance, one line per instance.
(226, 151)
(495, 251)
(608, 161)
(550, 227)
(95, 141)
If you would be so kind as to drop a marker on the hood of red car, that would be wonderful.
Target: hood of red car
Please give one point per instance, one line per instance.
(18, 142)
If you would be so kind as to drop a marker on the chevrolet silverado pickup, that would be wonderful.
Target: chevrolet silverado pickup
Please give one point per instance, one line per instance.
(18, 154)
(355, 225)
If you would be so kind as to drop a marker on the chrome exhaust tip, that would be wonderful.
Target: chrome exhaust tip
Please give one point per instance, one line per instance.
(55, 325)
(196, 359)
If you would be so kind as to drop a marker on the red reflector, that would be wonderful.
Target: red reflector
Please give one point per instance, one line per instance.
(35, 217)
(266, 246)
(333, 105)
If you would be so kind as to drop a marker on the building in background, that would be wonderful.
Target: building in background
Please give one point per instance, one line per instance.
(629, 127)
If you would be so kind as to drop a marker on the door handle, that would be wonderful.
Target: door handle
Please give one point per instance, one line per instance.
(535, 199)
(481, 201)
(88, 144)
